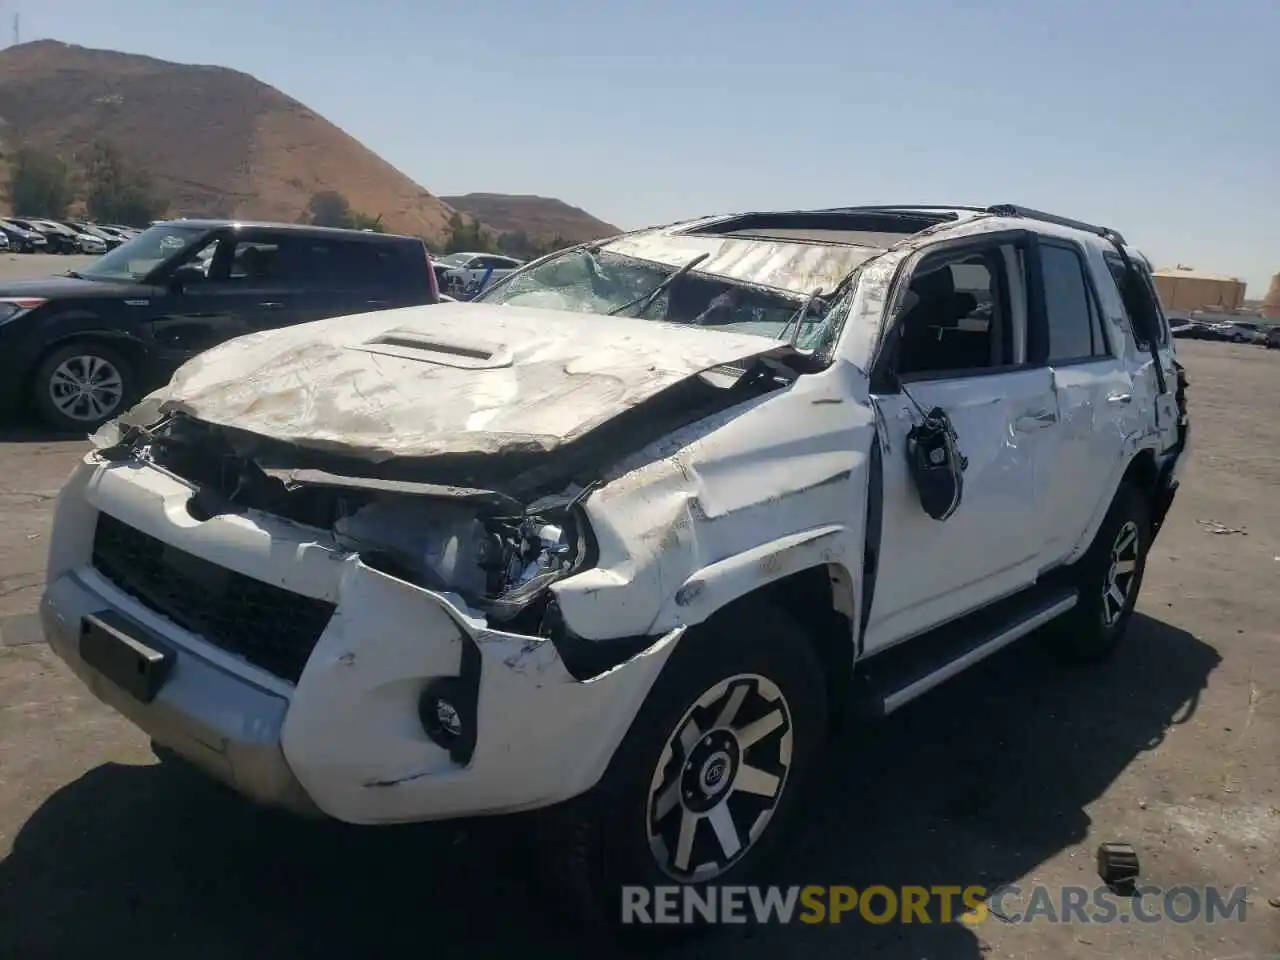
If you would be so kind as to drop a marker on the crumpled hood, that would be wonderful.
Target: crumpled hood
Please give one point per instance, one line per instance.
(446, 378)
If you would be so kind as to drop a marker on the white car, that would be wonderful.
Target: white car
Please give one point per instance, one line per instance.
(89, 244)
(618, 540)
(466, 271)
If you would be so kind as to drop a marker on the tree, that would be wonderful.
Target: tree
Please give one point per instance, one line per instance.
(329, 208)
(362, 221)
(467, 236)
(118, 193)
(39, 184)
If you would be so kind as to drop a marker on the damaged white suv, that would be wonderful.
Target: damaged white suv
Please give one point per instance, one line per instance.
(620, 538)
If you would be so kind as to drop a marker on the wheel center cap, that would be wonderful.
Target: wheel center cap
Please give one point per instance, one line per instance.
(715, 773)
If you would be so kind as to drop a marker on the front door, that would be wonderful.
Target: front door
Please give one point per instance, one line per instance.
(960, 345)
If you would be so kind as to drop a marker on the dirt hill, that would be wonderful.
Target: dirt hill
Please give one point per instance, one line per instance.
(538, 217)
(217, 142)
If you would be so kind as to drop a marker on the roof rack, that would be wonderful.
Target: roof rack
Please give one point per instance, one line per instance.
(1013, 210)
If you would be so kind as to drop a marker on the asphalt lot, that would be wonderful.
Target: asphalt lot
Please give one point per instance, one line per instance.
(1011, 774)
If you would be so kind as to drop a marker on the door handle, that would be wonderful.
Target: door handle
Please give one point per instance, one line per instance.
(1120, 398)
(376, 303)
(271, 303)
(1035, 421)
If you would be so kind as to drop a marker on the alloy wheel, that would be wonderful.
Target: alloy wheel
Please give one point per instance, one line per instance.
(720, 778)
(87, 388)
(1121, 572)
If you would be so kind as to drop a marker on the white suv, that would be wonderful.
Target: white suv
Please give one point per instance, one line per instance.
(621, 538)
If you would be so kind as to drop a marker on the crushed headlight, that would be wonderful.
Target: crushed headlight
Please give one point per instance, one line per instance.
(497, 564)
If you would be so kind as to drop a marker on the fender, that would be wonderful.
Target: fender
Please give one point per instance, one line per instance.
(1118, 473)
(719, 584)
(71, 324)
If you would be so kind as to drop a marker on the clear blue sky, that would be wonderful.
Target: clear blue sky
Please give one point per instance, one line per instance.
(1162, 119)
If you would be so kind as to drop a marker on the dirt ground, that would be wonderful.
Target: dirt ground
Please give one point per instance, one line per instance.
(1011, 774)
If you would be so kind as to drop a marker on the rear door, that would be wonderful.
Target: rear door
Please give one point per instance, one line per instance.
(1155, 385)
(1083, 345)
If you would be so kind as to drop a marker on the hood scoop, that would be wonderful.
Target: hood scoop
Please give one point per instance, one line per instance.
(408, 344)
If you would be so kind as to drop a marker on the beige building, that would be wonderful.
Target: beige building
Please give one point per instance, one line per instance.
(1183, 289)
(1271, 305)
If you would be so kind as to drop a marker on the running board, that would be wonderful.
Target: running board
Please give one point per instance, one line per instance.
(897, 676)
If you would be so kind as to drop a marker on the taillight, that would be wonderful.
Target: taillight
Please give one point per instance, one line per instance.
(431, 275)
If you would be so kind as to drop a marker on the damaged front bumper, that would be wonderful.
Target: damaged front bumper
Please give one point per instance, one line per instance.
(351, 734)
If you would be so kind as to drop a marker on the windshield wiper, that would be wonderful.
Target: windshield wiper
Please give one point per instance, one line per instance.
(647, 300)
(74, 275)
(800, 317)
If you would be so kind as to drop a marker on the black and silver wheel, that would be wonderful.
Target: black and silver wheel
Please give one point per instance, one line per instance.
(1121, 575)
(709, 776)
(1108, 578)
(720, 778)
(80, 386)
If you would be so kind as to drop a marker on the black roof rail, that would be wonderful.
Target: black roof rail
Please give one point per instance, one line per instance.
(938, 208)
(1013, 210)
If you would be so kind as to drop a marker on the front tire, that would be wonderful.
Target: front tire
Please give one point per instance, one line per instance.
(1108, 577)
(707, 779)
(80, 386)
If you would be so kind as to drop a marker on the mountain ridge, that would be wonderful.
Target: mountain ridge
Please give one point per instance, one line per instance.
(216, 141)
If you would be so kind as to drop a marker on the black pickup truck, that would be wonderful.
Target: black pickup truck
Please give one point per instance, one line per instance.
(83, 345)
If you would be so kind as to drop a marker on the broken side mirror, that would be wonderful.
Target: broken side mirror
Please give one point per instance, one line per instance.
(936, 464)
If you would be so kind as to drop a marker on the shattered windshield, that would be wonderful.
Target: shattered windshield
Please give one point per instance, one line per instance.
(587, 281)
(136, 258)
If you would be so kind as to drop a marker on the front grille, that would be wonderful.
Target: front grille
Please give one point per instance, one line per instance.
(269, 627)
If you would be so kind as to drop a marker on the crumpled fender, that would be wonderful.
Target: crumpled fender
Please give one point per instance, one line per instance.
(727, 506)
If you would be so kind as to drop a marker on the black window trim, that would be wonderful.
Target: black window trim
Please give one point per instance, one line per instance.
(885, 380)
(1091, 293)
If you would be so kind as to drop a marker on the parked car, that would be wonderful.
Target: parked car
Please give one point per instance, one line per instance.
(1273, 337)
(1242, 331)
(4, 242)
(69, 239)
(57, 239)
(116, 235)
(618, 540)
(467, 273)
(85, 344)
(22, 239)
(108, 240)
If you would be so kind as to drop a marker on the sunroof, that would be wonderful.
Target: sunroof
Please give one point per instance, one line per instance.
(853, 226)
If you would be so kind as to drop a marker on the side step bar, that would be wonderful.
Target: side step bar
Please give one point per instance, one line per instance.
(897, 676)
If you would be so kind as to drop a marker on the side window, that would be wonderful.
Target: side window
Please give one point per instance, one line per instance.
(310, 261)
(1071, 309)
(957, 317)
(1141, 305)
(253, 262)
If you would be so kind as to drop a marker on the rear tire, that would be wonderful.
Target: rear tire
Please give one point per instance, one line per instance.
(81, 385)
(708, 778)
(1108, 577)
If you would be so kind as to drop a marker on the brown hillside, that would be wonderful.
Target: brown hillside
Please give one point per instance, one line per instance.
(217, 142)
(538, 217)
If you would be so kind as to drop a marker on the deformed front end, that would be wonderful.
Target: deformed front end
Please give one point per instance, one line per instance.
(344, 665)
